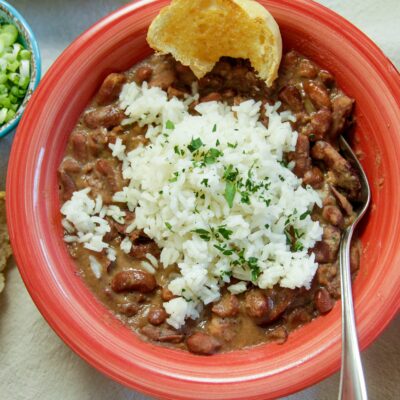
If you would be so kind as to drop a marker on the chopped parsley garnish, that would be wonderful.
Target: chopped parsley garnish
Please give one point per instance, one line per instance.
(224, 250)
(230, 174)
(174, 178)
(254, 268)
(170, 125)
(178, 151)
(230, 191)
(304, 215)
(204, 182)
(169, 226)
(233, 146)
(203, 233)
(214, 128)
(217, 143)
(226, 233)
(195, 144)
(211, 156)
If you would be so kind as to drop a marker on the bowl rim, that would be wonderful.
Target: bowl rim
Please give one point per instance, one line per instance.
(37, 63)
(68, 53)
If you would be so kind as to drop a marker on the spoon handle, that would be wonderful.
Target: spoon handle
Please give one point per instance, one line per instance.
(352, 382)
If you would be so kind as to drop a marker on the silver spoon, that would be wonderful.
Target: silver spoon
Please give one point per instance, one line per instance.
(352, 382)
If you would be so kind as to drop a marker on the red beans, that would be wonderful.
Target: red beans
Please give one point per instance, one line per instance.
(314, 178)
(326, 250)
(69, 165)
(143, 74)
(68, 185)
(166, 294)
(201, 343)
(256, 304)
(278, 335)
(323, 301)
(333, 215)
(110, 89)
(163, 75)
(107, 117)
(290, 95)
(157, 315)
(213, 96)
(224, 328)
(228, 306)
(306, 69)
(78, 141)
(318, 94)
(173, 92)
(162, 334)
(128, 309)
(133, 279)
(320, 125)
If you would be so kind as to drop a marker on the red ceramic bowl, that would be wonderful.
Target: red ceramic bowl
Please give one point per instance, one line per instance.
(312, 352)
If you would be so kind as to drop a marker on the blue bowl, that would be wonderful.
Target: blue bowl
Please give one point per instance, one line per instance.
(8, 14)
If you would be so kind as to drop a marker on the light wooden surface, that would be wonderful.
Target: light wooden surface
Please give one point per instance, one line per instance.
(34, 363)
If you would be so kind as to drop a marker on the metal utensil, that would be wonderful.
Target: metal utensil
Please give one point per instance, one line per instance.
(352, 382)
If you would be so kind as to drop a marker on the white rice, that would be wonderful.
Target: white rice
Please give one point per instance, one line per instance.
(183, 206)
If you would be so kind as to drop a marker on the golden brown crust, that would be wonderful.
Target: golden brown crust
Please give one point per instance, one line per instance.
(198, 33)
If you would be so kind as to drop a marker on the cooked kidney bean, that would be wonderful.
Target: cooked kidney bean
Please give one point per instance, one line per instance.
(319, 125)
(110, 89)
(257, 305)
(143, 74)
(157, 315)
(343, 202)
(326, 77)
(68, 185)
(201, 343)
(327, 249)
(163, 75)
(314, 178)
(97, 141)
(107, 117)
(111, 173)
(79, 149)
(342, 173)
(326, 273)
(166, 294)
(70, 165)
(162, 334)
(213, 96)
(318, 94)
(323, 301)
(333, 215)
(342, 107)
(298, 317)
(185, 74)
(301, 156)
(306, 69)
(173, 92)
(128, 309)
(291, 96)
(223, 328)
(133, 279)
(278, 335)
(228, 306)
(279, 301)
(142, 244)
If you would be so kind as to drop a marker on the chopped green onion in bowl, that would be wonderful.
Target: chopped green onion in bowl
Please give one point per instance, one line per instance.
(14, 72)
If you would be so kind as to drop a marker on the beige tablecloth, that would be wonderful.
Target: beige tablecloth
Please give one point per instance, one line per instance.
(34, 363)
